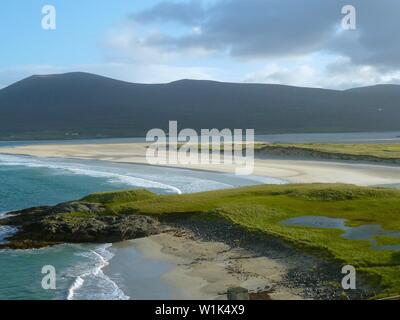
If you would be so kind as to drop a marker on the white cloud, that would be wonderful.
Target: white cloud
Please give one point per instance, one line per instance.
(273, 73)
(123, 44)
(129, 42)
(340, 74)
(197, 30)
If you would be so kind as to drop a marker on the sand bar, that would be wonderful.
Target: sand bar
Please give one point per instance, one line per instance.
(295, 171)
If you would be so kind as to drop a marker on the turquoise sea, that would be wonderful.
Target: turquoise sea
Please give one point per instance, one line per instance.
(29, 181)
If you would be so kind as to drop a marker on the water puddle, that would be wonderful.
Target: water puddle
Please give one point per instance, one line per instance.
(364, 232)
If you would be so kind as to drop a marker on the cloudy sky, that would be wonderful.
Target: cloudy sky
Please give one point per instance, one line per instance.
(294, 42)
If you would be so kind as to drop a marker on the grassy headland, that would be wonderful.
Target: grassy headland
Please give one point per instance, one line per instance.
(262, 208)
(257, 212)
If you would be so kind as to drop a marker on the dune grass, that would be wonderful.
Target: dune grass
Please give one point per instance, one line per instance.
(262, 208)
(383, 151)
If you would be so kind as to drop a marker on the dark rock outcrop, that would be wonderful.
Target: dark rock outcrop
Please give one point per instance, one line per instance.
(75, 222)
(91, 229)
(26, 216)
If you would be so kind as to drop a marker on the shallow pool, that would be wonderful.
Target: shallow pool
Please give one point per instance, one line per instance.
(363, 232)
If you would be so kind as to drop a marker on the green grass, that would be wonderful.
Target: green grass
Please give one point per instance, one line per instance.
(384, 151)
(262, 208)
(387, 240)
(115, 199)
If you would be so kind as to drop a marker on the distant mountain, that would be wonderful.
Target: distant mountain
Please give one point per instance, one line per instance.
(90, 105)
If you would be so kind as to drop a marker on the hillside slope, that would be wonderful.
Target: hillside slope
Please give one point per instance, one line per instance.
(91, 105)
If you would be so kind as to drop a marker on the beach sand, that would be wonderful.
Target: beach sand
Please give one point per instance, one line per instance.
(294, 171)
(198, 269)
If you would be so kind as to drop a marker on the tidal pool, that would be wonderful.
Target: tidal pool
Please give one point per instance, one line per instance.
(363, 232)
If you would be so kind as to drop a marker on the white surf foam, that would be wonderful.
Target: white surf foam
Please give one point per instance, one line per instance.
(171, 180)
(87, 170)
(93, 283)
(75, 286)
(126, 179)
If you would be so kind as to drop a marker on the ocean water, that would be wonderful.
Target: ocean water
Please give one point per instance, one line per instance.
(28, 181)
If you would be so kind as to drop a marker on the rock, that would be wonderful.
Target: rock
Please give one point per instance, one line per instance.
(238, 293)
(75, 222)
(89, 229)
(262, 295)
(33, 214)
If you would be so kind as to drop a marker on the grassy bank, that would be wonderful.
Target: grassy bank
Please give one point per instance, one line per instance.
(262, 208)
(378, 151)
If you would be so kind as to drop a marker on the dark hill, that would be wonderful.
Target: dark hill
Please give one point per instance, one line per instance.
(91, 105)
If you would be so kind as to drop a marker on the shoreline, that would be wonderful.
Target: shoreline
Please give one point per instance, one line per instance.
(287, 169)
(204, 266)
(207, 258)
(204, 270)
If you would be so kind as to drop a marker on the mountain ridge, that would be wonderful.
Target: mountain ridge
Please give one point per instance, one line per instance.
(42, 106)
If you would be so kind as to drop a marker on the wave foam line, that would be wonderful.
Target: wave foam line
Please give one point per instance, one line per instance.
(103, 261)
(88, 171)
(134, 181)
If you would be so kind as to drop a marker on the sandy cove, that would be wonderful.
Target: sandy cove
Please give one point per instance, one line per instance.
(296, 171)
(209, 257)
(206, 269)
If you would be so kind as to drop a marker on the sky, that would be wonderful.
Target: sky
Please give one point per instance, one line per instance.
(292, 42)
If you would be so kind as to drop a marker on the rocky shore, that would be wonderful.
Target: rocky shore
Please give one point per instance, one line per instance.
(74, 222)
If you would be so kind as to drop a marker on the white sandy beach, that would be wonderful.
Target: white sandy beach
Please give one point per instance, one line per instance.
(294, 171)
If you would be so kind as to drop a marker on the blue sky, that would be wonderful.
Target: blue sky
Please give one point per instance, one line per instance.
(269, 41)
(80, 28)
